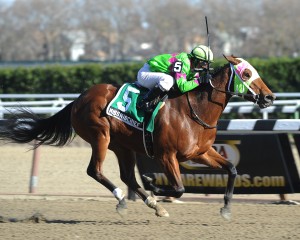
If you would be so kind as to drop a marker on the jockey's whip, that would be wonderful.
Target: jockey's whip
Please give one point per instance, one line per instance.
(208, 45)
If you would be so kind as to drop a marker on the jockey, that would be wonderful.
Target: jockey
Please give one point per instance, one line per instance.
(161, 72)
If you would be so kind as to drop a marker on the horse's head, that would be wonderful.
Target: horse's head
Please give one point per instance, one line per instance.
(246, 82)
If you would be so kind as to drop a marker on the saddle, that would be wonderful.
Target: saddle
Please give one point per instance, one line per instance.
(124, 108)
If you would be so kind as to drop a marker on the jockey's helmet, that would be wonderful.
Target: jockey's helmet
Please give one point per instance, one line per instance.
(202, 53)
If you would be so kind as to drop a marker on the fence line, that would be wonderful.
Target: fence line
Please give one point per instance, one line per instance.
(52, 103)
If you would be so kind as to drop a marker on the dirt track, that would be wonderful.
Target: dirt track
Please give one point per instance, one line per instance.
(97, 219)
(92, 215)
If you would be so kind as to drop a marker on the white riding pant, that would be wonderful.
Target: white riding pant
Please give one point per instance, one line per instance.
(149, 79)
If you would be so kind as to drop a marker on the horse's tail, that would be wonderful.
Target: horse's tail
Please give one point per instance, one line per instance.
(26, 126)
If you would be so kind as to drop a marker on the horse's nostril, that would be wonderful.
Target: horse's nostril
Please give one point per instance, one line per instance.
(269, 98)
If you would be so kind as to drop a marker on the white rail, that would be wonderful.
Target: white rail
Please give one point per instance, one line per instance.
(52, 103)
(55, 103)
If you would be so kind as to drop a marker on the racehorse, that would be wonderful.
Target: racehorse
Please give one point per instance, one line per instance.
(185, 129)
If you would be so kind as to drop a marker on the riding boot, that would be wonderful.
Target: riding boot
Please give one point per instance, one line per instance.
(150, 99)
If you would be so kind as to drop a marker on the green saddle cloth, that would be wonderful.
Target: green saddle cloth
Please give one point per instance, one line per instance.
(123, 107)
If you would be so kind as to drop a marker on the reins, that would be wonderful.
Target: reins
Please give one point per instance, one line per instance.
(195, 117)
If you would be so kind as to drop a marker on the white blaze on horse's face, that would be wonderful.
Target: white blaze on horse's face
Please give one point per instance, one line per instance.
(241, 82)
(240, 68)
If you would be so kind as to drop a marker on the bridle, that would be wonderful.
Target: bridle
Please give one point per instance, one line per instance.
(242, 95)
(197, 119)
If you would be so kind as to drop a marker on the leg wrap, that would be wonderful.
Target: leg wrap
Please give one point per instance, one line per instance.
(150, 202)
(118, 193)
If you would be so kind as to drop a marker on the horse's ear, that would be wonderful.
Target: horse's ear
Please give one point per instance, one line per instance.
(232, 59)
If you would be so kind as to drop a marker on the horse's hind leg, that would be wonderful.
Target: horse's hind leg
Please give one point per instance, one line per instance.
(127, 161)
(95, 170)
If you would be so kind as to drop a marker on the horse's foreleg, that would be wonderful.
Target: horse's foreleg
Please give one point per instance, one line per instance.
(152, 203)
(159, 210)
(213, 159)
(232, 173)
(172, 171)
(176, 190)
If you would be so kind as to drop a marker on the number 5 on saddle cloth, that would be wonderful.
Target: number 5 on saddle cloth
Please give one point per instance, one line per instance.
(123, 107)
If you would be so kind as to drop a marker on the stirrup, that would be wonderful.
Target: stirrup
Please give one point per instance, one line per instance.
(150, 99)
(149, 106)
(146, 106)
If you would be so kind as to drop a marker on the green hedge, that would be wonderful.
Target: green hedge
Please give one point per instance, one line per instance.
(64, 79)
(280, 74)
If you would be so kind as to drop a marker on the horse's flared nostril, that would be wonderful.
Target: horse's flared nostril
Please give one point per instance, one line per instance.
(269, 98)
(265, 100)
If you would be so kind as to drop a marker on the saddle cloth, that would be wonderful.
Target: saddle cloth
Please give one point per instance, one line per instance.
(123, 107)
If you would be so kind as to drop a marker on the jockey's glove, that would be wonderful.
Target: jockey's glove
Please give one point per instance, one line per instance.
(205, 78)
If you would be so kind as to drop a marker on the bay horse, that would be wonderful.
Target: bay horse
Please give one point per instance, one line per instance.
(185, 129)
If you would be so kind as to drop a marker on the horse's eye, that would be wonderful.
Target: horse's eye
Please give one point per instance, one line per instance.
(246, 75)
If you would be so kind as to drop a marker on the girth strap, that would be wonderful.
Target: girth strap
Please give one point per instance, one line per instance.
(148, 137)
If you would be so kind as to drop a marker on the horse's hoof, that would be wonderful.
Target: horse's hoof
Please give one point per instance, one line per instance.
(225, 213)
(161, 212)
(122, 211)
(122, 207)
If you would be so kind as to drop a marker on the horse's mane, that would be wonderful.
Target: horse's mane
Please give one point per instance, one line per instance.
(219, 69)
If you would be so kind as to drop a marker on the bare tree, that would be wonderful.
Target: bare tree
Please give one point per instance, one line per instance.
(172, 25)
(123, 29)
(260, 28)
(37, 28)
(280, 35)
